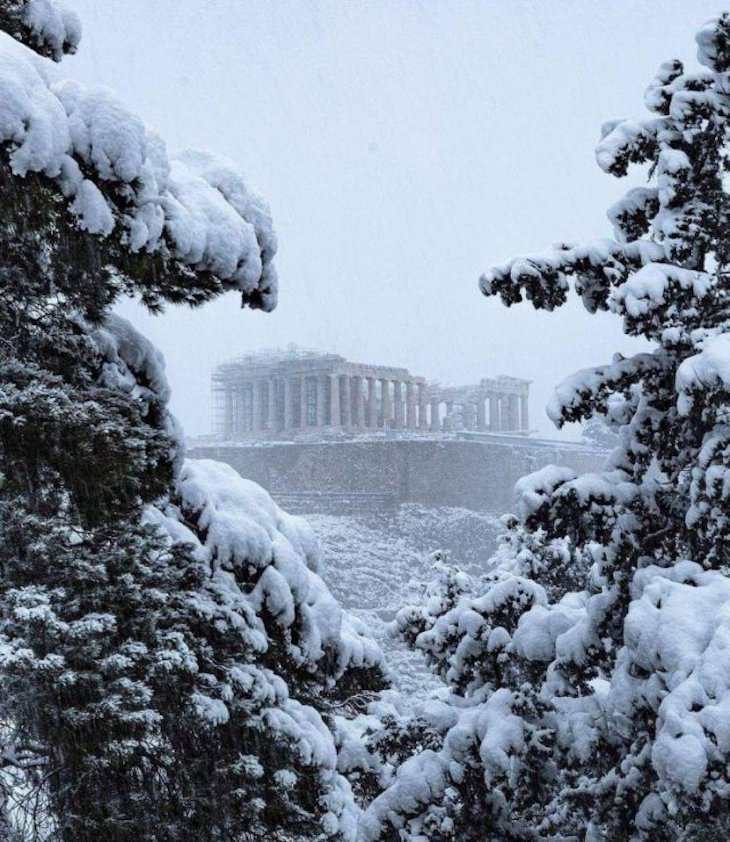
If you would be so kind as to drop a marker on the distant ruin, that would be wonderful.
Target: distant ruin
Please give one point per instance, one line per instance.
(293, 393)
(322, 433)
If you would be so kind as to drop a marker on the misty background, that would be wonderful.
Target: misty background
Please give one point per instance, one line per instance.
(403, 147)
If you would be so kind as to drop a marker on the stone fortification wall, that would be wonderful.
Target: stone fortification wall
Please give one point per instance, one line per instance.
(477, 473)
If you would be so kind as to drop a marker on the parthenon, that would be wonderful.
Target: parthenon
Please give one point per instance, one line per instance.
(294, 393)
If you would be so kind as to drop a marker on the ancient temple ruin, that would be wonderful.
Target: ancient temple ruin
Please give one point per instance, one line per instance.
(293, 393)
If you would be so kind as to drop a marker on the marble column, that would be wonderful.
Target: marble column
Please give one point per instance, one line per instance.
(235, 409)
(494, 425)
(335, 420)
(513, 412)
(448, 424)
(321, 401)
(302, 402)
(345, 401)
(524, 413)
(271, 422)
(228, 412)
(255, 406)
(435, 421)
(503, 413)
(469, 414)
(385, 403)
(398, 414)
(358, 419)
(411, 405)
(288, 403)
(481, 414)
(372, 404)
(422, 407)
(240, 415)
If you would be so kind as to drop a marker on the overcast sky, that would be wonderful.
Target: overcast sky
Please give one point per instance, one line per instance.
(404, 147)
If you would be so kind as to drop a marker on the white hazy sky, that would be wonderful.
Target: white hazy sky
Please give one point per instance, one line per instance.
(404, 146)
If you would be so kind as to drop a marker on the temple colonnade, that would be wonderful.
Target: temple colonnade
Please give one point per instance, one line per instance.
(267, 395)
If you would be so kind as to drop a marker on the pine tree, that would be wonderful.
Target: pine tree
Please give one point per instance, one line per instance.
(590, 678)
(169, 655)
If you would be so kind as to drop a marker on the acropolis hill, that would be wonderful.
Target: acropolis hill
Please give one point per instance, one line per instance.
(321, 432)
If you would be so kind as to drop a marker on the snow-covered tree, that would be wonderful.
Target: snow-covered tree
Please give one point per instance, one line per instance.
(169, 655)
(590, 678)
(597, 433)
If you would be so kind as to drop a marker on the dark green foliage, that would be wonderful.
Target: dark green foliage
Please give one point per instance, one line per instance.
(139, 688)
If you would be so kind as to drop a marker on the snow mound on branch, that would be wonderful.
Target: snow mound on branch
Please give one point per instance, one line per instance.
(47, 25)
(640, 202)
(488, 729)
(708, 369)
(539, 630)
(133, 364)
(562, 257)
(650, 288)
(622, 138)
(240, 530)
(53, 25)
(118, 177)
(599, 384)
(535, 490)
(710, 50)
(677, 635)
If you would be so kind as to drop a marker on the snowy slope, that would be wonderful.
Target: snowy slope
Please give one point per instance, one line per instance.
(375, 563)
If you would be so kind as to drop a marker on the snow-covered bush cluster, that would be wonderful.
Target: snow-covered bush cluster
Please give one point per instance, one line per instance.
(169, 656)
(586, 680)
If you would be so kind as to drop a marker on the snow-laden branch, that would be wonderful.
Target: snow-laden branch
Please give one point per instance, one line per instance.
(118, 179)
(48, 26)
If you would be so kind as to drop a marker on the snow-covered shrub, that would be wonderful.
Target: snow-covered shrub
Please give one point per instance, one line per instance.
(588, 678)
(169, 655)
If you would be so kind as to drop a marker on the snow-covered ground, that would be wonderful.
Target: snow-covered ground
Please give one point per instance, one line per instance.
(374, 563)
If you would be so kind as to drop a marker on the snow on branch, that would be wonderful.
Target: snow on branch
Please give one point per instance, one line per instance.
(46, 26)
(132, 363)
(660, 287)
(705, 371)
(543, 278)
(535, 490)
(589, 391)
(246, 538)
(675, 660)
(193, 210)
(712, 44)
(627, 142)
(583, 507)
(631, 216)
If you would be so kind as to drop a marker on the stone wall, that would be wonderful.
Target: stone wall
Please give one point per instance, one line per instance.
(477, 474)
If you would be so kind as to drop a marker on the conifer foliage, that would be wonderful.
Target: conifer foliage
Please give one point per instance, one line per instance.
(168, 652)
(589, 676)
